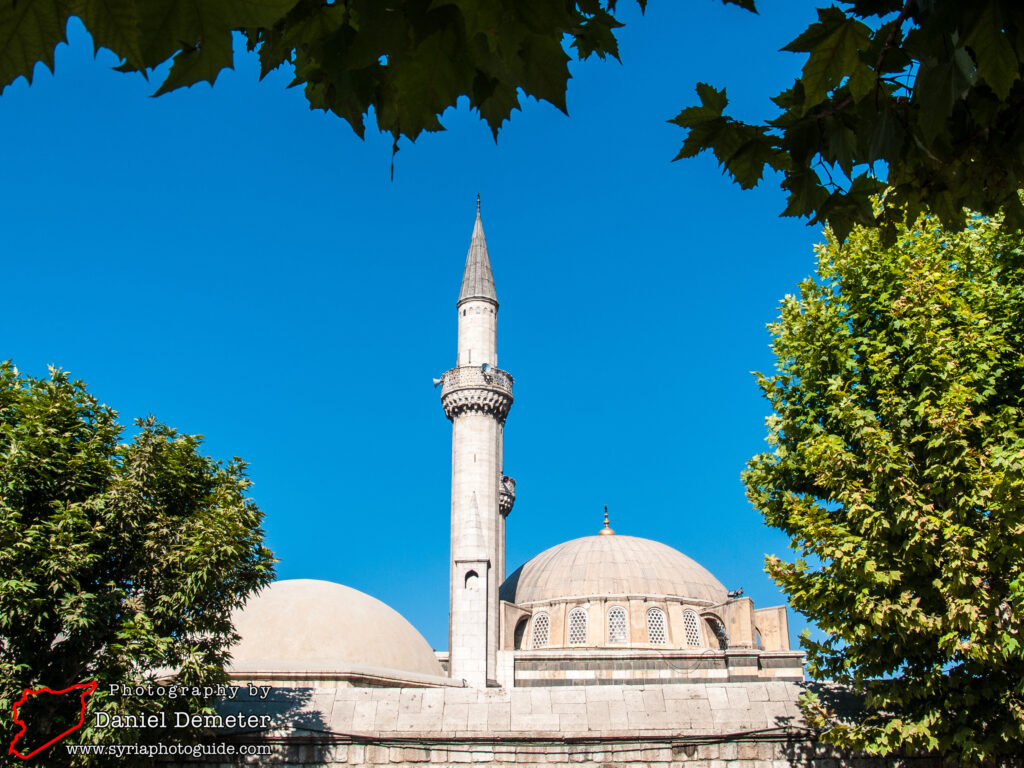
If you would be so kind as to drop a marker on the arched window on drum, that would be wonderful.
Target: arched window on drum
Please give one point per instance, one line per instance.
(578, 626)
(656, 631)
(691, 626)
(617, 628)
(541, 628)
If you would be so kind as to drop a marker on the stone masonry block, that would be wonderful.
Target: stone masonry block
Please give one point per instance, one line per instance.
(728, 751)
(617, 715)
(540, 701)
(386, 716)
(499, 716)
(547, 722)
(781, 713)
(418, 722)
(680, 709)
(779, 691)
(521, 702)
(738, 697)
(375, 754)
(650, 720)
(364, 715)
(757, 692)
(433, 700)
(757, 715)
(561, 696)
(597, 715)
(717, 697)
(455, 718)
(684, 692)
(341, 716)
(603, 693)
(411, 700)
(768, 751)
(634, 699)
(730, 720)
(477, 720)
(336, 753)
(748, 752)
(573, 723)
(414, 755)
(707, 752)
(653, 700)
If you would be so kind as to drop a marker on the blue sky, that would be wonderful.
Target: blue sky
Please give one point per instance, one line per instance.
(246, 269)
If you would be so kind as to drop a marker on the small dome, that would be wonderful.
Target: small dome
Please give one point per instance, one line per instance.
(306, 624)
(611, 565)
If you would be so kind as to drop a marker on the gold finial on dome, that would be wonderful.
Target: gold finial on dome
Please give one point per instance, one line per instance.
(606, 531)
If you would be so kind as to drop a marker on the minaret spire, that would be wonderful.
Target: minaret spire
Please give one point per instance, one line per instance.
(477, 279)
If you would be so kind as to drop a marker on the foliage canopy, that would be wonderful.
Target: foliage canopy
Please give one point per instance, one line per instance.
(930, 91)
(897, 470)
(924, 95)
(408, 61)
(118, 562)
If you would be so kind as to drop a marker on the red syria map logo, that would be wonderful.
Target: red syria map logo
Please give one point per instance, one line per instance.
(86, 689)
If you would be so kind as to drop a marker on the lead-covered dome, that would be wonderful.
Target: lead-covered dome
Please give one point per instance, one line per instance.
(306, 624)
(611, 565)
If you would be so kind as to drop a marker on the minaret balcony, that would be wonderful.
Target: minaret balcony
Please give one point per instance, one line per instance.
(474, 388)
(474, 377)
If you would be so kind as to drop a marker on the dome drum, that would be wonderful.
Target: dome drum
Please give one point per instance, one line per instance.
(614, 622)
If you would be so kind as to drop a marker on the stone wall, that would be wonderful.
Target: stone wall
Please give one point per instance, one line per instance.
(695, 725)
(746, 725)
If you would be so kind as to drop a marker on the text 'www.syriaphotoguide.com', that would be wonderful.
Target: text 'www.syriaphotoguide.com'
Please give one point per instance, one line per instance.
(156, 750)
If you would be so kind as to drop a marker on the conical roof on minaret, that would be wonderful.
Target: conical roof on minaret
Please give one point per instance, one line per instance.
(477, 280)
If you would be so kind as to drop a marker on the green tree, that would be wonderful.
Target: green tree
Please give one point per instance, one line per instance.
(118, 562)
(924, 95)
(897, 471)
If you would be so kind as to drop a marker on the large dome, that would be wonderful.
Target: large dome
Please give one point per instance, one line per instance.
(310, 625)
(611, 565)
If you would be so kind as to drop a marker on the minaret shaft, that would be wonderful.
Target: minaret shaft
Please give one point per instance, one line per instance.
(476, 396)
(478, 333)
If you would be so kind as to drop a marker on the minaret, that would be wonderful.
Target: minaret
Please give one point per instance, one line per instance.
(476, 396)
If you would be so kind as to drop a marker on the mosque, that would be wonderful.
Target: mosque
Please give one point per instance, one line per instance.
(607, 649)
